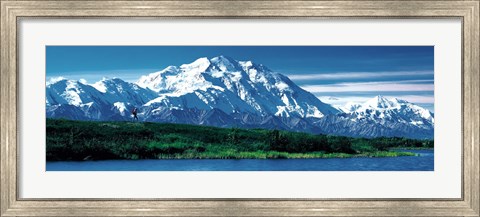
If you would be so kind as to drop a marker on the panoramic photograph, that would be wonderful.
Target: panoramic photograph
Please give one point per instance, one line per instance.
(239, 108)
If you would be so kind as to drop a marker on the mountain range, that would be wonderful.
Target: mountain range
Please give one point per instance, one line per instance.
(225, 92)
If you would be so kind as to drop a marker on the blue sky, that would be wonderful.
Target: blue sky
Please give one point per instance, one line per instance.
(335, 74)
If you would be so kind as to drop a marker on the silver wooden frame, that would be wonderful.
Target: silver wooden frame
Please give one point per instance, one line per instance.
(11, 205)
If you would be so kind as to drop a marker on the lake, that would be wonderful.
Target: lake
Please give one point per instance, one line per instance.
(422, 162)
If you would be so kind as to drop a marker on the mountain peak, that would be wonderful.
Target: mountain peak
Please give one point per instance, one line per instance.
(380, 102)
(380, 98)
(107, 83)
(55, 80)
(400, 100)
(381, 107)
(230, 85)
(112, 80)
(223, 58)
(225, 64)
(199, 64)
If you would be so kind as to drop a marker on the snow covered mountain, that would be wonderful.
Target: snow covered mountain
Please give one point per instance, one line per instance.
(395, 110)
(232, 87)
(380, 116)
(108, 99)
(225, 92)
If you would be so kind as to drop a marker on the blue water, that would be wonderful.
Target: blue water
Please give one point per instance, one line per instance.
(423, 162)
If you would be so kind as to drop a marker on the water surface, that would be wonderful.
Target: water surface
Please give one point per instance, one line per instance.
(422, 162)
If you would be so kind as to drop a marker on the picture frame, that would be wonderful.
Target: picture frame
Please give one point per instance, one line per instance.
(12, 11)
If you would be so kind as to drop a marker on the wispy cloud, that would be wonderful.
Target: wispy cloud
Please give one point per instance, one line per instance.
(389, 86)
(355, 75)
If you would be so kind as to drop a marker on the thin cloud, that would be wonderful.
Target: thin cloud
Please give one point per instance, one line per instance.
(394, 86)
(355, 75)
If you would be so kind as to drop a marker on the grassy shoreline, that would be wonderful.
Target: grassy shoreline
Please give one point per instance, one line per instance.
(411, 148)
(87, 140)
(285, 155)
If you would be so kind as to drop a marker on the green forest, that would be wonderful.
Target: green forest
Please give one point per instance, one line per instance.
(69, 140)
